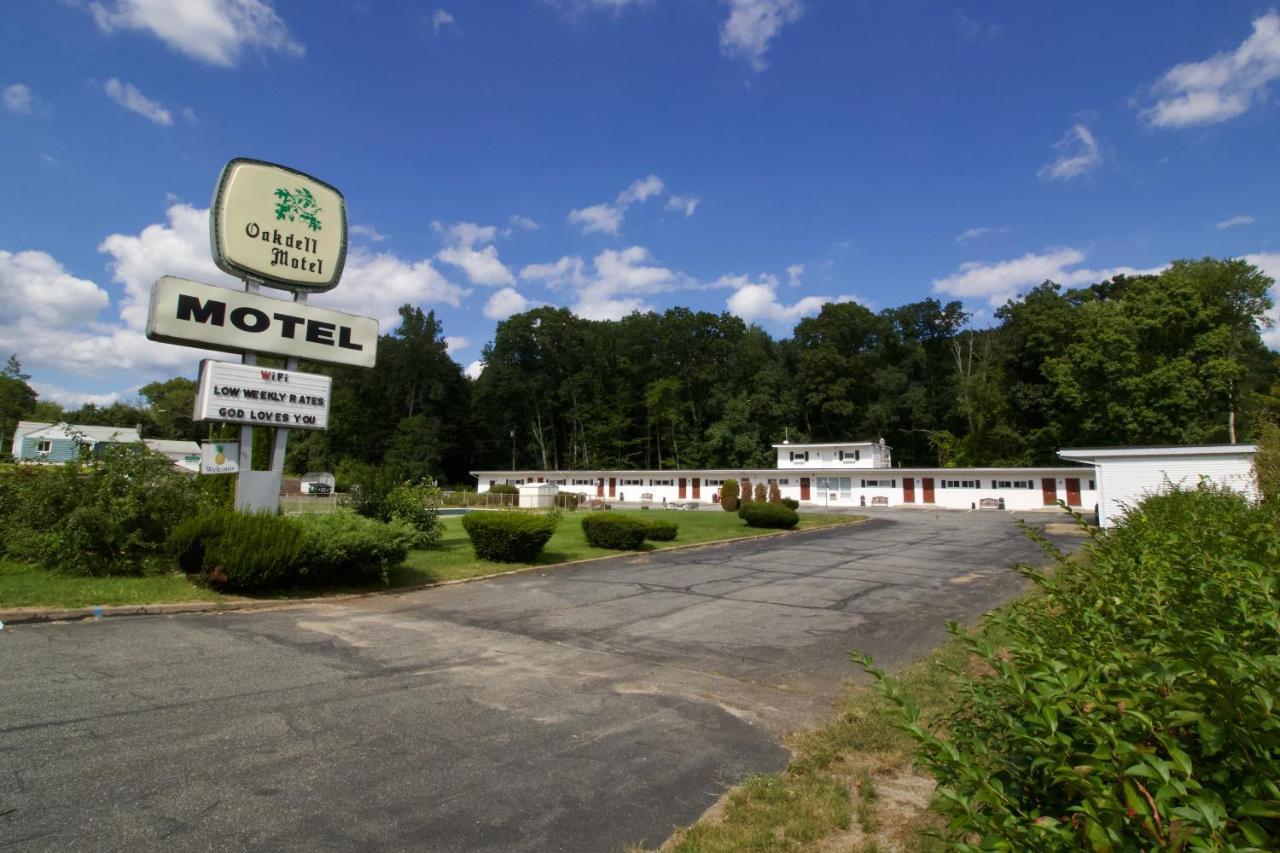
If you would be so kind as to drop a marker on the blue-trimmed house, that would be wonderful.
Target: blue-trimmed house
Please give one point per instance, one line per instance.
(63, 442)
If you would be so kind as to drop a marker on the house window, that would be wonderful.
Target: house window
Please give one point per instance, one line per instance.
(584, 482)
(799, 456)
(559, 482)
(1011, 484)
(44, 446)
(633, 482)
(784, 482)
(879, 484)
(710, 483)
(961, 484)
(659, 482)
(850, 455)
(1092, 487)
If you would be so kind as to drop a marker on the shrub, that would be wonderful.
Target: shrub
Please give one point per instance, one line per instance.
(504, 489)
(341, 547)
(729, 495)
(790, 503)
(509, 537)
(661, 531)
(1129, 705)
(239, 551)
(775, 494)
(418, 506)
(761, 494)
(369, 490)
(762, 514)
(620, 532)
(1266, 462)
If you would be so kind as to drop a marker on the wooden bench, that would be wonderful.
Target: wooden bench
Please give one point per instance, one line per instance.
(646, 498)
(989, 503)
(879, 500)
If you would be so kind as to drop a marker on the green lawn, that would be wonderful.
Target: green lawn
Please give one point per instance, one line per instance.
(23, 585)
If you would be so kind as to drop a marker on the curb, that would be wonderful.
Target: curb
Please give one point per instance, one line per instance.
(36, 615)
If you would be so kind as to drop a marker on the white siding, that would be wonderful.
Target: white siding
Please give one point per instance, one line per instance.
(1126, 481)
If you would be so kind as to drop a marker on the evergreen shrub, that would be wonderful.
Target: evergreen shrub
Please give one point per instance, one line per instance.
(764, 514)
(345, 548)
(729, 496)
(775, 494)
(418, 506)
(761, 493)
(1131, 703)
(619, 532)
(662, 531)
(239, 551)
(509, 537)
(791, 503)
(504, 489)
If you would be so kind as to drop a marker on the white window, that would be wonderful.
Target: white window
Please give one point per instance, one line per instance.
(1011, 484)
(659, 482)
(584, 482)
(712, 482)
(799, 456)
(44, 446)
(785, 482)
(850, 455)
(961, 484)
(633, 482)
(879, 484)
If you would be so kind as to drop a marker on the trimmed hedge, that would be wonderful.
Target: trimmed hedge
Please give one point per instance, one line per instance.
(509, 537)
(619, 532)
(343, 547)
(791, 503)
(729, 496)
(662, 531)
(762, 514)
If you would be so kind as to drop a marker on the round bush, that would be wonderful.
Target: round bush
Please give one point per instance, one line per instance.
(620, 532)
(661, 531)
(508, 537)
(769, 515)
(791, 503)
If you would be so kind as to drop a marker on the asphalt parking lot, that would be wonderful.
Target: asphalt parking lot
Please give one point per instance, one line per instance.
(582, 708)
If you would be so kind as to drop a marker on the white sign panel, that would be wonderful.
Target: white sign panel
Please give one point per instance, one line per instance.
(262, 396)
(279, 225)
(203, 315)
(220, 457)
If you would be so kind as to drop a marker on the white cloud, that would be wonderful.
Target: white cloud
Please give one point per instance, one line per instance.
(794, 272)
(474, 369)
(212, 31)
(453, 343)
(567, 270)
(128, 96)
(1223, 86)
(605, 218)
(616, 286)
(686, 204)
(36, 289)
(480, 263)
(524, 223)
(757, 301)
(752, 24)
(376, 285)
(1003, 280)
(17, 98)
(1078, 155)
(974, 233)
(440, 18)
(1234, 221)
(368, 232)
(504, 303)
(1269, 264)
(972, 29)
(74, 399)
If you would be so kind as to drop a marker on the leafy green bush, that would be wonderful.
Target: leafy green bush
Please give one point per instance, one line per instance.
(110, 516)
(729, 496)
(418, 506)
(620, 532)
(662, 531)
(369, 489)
(509, 537)
(344, 548)
(1132, 703)
(504, 489)
(791, 503)
(763, 514)
(239, 551)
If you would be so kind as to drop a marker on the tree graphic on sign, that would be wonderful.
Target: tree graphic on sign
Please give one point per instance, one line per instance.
(299, 204)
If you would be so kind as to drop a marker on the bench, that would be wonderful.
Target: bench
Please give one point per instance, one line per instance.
(646, 498)
(989, 503)
(879, 500)
(598, 503)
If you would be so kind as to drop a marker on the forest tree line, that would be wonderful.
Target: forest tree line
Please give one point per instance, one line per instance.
(1173, 358)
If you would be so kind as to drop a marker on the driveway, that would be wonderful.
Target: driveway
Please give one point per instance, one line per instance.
(584, 708)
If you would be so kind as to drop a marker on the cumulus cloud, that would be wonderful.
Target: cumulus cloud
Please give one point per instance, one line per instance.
(474, 369)
(213, 31)
(606, 217)
(368, 232)
(1269, 264)
(36, 289)
(1003, 280)
(524, 223)
(616, 285)
(504, 303)
(128, 96)
(1221, 87)
(1077, 155)
(757, 301)
(440, 18)
(17, 98)
(469, 247)
(68, 399)
(794, 272)
(753, 24)
(981, 230)
(1234, 221)
(453, 343)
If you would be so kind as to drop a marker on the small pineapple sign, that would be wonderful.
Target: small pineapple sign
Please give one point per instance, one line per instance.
(279, 226)
(220, 457)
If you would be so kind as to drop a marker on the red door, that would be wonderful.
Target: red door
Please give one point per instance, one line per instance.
(927, 485)
(600, 488)
(613, 486)
(1073, 491)
(1049, 487)
(681, 484)
(697, 488)
(804, 488)
(909, 490)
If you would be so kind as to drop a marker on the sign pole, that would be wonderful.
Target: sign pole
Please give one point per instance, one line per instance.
(246, 432)
(282, 435)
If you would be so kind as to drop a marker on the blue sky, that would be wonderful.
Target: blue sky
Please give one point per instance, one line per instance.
(753, 156)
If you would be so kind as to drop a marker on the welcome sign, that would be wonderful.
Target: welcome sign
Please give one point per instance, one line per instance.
(279, 226)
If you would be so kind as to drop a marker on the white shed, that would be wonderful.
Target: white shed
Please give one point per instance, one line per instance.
(538, 495)
(1126, 475)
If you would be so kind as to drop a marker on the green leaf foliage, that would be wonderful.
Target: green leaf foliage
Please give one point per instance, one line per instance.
(662, 531)
(1130, 703)
(729, 495)
(509, 537)
(764, 514)
(618, 532)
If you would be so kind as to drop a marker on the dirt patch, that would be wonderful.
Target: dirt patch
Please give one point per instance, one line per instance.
(1064, 528)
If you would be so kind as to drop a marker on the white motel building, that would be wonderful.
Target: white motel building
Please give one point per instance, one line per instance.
(861, 474)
